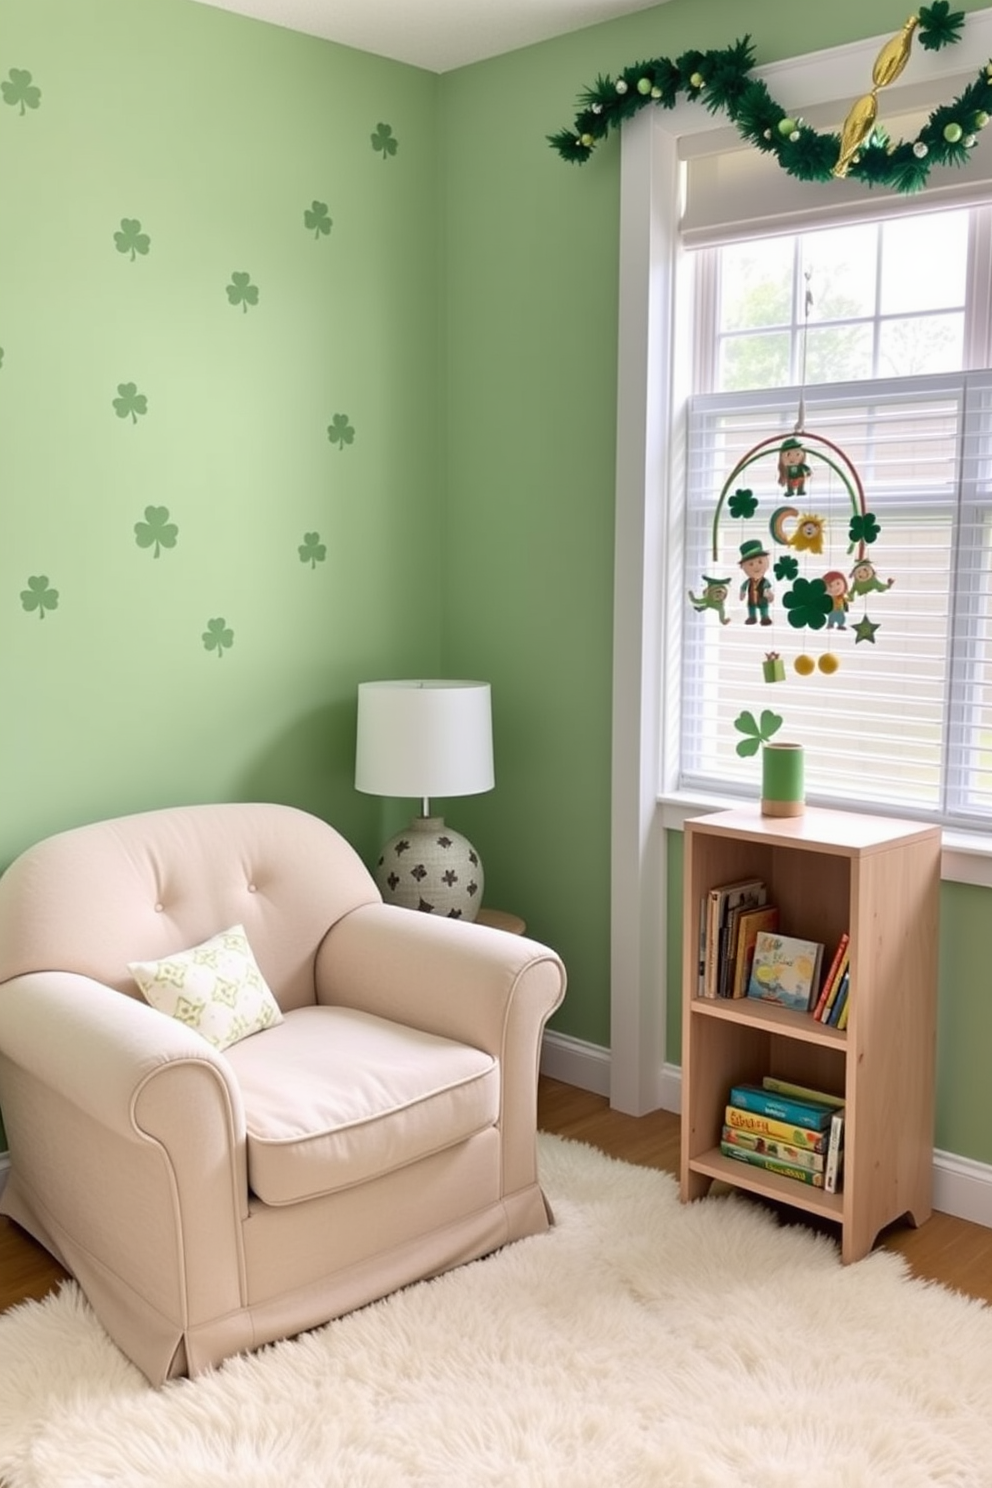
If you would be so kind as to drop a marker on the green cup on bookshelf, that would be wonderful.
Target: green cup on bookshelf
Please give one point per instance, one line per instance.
(783, 785)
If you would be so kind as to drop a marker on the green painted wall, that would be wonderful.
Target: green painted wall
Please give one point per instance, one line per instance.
(460, 315)
(240, 149)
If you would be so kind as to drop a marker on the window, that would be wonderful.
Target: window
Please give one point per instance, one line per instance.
(868, 341)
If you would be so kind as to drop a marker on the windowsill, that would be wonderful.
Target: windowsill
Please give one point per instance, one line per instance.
(966, 856)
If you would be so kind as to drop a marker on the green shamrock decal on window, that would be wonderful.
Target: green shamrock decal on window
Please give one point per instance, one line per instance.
(242, 292)
(218, 637)
(312, 550)
(130, 402)
(743, 504)
(38, 596)
(131, 239)
(21, 90)
(755, 733)
(383, 140)
(341, 432)
(808, 603)
(317, 220)
(786, 568)
(156, 530)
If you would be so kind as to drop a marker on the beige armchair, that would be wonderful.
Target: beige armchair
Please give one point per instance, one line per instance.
(209, 1201)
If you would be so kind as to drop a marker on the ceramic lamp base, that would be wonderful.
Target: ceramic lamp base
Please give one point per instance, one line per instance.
(429, 867)
(782, 780)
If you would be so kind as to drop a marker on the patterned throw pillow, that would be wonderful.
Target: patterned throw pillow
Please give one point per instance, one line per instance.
(215, 988)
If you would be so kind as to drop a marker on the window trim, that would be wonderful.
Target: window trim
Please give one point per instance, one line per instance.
(642, 702)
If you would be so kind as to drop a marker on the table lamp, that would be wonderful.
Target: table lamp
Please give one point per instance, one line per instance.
(424, 739)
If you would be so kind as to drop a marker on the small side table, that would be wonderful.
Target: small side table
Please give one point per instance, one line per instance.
(501, 919)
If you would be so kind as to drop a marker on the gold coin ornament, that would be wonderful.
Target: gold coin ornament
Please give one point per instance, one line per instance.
(828, 663)
(804, 664)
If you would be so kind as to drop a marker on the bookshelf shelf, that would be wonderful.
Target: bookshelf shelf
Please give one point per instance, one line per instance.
(828, 872)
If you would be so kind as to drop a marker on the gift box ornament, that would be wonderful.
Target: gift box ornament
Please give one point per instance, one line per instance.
(773, 667)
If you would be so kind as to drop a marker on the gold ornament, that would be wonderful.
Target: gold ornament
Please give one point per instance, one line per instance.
(860, 121)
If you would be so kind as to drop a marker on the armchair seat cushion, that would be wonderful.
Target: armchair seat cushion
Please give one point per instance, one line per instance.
(334, 1096)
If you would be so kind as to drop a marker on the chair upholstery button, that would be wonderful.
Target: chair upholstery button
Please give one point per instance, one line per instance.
(159, 908)
(251, 889)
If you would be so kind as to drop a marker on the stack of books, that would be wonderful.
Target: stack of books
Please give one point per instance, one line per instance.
(730, 918)
(787, 1129)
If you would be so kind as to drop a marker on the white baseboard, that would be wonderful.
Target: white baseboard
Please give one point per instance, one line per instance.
(961, 1186)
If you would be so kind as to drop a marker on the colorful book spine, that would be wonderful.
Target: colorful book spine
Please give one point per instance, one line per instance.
(767, 1126)
(810, 1114)
(835, 1153)
(772, 1165)
(831, 997)
(786, 1152)
(833, 1013)
(836, 968)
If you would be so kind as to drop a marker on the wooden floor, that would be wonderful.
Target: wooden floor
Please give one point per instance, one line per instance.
(947, 1250)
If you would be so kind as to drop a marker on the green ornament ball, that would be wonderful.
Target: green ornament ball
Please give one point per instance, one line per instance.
(587, 140)
(696, 80)
(644, 86)
(981, 119)
(952, 133)
(786, 128)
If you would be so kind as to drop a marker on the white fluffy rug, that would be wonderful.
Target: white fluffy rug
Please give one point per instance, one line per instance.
(639, 1343)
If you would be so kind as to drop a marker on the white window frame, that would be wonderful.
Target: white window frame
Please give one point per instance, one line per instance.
(645, 628)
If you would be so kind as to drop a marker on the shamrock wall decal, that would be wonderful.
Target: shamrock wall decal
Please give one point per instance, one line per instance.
(218, 636)
(156, 530)
(316, 219)
(384, 140)
(130, 401)
(21, 90)
(312, 550)
(39, 596)
(756, 732)
(341, 432)
(131, 239)
(242, 292)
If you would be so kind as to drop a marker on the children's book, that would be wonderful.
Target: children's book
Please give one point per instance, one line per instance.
(783, 1131)
(799, 1157)
(801, 1092)
(839, 1009)
(722, 899)
(836, 969)
(750, 922)
(835, 1154)
(772, 1165)
(813, 1115)
(835, 986)
(785, 970)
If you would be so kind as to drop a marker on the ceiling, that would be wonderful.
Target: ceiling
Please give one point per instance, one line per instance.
(435, 34)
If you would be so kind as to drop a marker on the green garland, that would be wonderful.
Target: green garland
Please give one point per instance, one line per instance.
(720, 80)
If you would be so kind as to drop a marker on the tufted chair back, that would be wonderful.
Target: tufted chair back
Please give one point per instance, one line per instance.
(91, 899)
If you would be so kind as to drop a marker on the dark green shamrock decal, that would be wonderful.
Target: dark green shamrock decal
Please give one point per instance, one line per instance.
(341, 432)
(755, 734)
(383, 140)
(217, 637)
(242, 292)
(38, 596)
(156, 530)
(312, 550)
(743, 504)
(863, 529)
(130, 401)
(317, 220)
(21, 90)
(131, 239)
(808, 603)
(787, 567)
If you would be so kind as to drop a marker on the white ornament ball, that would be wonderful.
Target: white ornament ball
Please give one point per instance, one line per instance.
(621, 86)
(920, 150)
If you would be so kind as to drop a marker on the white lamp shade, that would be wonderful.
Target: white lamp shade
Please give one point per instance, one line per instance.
(424, 738)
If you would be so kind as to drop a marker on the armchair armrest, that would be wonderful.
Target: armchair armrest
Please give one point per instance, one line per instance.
(127, 1140)
(466, 982)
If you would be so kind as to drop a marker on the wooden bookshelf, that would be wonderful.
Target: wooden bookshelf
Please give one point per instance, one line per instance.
(828, 871)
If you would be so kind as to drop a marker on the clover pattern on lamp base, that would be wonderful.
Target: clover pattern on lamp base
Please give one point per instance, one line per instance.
(429, 867)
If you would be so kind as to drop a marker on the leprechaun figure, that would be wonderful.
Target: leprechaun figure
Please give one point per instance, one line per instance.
(757, 587)
(864, 579)
(713, 597)
(793, 472)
